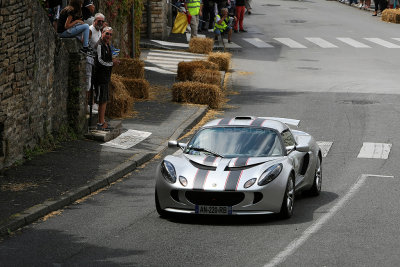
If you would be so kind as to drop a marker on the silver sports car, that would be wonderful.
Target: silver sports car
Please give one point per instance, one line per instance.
(239, 166)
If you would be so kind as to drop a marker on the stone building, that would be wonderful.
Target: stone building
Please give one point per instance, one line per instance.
(40, 80)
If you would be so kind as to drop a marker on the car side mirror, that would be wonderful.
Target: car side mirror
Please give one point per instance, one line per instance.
(174, 143)
(302, 148)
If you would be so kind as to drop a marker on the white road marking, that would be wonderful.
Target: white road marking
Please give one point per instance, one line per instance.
(231, 45)
(174, 52)
(353, 42)
(159, 70)
(171, 44)
(173, 56)
(128, 139)
(375, 150)
(382, 42)
(289, 42)
(321, 42)
(315, 227)
(257, 42)
(325, 147)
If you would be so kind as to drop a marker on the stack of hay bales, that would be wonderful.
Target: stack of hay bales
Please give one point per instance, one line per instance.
(127, 83)
(391, 15)
(198, 93)
(223, 60)
(187, 69)
(201, 45)
(201, 80)
(120, 101)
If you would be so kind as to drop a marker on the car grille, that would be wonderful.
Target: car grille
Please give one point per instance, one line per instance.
(214, 198)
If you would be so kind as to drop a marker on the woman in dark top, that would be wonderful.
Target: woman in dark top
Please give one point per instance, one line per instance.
(70, 23)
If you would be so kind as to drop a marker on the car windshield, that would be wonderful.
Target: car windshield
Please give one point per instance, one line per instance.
(231, 142)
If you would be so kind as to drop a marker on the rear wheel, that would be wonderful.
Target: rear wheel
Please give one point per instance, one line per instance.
(288, 200)
(315, 190)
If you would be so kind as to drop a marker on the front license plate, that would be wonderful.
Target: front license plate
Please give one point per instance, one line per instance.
(201, 209)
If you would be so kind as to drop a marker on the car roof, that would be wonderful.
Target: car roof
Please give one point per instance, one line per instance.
(249, 121)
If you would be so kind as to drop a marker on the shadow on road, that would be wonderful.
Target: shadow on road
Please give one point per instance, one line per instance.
(305, 210)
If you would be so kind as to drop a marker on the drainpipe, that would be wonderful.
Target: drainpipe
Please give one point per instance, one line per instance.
(133, 30)
(148, 18)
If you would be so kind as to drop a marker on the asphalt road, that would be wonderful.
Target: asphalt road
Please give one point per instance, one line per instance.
(343, 95)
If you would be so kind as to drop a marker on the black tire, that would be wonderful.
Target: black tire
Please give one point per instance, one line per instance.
(160, 211)
(315, 189)
(288, 200)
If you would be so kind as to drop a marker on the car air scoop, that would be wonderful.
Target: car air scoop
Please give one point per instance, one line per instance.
(246, 163)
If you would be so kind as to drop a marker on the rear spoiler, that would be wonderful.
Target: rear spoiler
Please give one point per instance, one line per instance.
(290, 122)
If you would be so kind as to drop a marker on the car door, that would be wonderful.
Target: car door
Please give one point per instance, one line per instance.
(296, 156)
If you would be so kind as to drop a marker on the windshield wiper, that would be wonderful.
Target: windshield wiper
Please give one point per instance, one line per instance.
(205, 150)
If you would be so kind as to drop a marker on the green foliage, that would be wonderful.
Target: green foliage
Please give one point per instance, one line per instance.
(138, 21)
(50, 142)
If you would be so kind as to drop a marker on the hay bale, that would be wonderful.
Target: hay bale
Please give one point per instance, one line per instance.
(223, 60)
(121, 102)
(201, 45)
(197, 93)
(207, 76)
(187, 68)
(208, 64)
(137, 88)
(391, 15)
(130, 68)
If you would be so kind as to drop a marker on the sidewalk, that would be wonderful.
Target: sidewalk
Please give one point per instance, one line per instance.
(78, 168)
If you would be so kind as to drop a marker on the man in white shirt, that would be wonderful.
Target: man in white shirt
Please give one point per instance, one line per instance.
(94, 37)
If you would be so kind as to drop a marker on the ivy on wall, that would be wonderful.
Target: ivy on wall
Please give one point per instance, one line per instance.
(118, 13)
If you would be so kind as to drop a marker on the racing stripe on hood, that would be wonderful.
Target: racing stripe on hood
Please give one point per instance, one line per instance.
(258, 122)
(234, 176)
(224, 121)
(201, 175)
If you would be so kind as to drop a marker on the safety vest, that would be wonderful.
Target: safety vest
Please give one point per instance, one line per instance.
(194, 7)
(221, 26)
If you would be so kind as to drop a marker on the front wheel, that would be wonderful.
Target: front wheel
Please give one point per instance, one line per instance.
(315, 190)
(160, 211)
(288, 200)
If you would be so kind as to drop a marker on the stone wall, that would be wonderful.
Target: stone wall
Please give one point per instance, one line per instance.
(159, 19)
(35, 80)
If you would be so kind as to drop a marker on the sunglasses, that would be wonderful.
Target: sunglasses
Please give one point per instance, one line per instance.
(109, 33)
(98, 21)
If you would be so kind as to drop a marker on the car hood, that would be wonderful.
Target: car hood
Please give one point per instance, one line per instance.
(215, 173)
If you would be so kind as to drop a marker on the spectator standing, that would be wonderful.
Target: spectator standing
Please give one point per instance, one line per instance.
(88, 11)
(223, 24)
(194, 9)
(240, 10)
(382, 5)
(208, 13)
(94, 37)
(248, 6)
(70, 24)
(103, 67)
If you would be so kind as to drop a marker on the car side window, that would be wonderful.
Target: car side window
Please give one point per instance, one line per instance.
(288, 138)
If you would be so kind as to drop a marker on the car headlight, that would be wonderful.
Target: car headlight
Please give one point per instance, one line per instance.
(270, 174)
(168, 171)
(183, 181)
(250, 182)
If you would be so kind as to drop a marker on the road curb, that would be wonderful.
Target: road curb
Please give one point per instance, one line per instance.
(19, 220)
